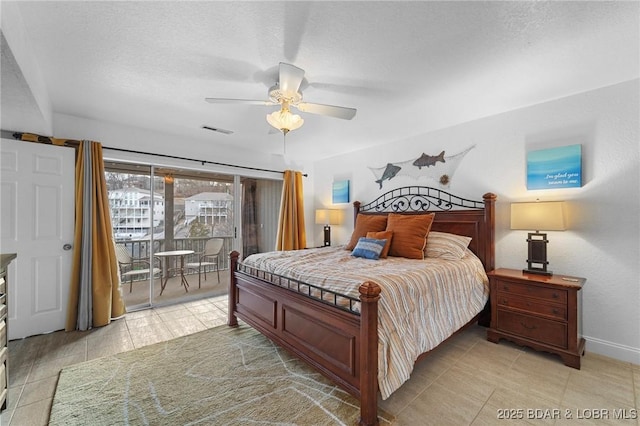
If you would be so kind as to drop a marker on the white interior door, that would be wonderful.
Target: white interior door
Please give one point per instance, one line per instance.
(36, 222)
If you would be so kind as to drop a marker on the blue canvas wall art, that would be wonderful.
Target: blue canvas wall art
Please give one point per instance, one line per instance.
(340, 192)
(555, 168)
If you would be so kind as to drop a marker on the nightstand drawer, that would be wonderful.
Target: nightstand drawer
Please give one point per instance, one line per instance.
(539, 329)
(555, 295)
(532, 305)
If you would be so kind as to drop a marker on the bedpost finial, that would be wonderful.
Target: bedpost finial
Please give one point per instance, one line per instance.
(490, 196)
(369, 290)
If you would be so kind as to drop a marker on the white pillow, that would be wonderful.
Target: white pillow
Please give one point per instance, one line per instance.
(443, 245)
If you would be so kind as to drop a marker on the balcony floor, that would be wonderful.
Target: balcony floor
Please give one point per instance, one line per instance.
(174, 292)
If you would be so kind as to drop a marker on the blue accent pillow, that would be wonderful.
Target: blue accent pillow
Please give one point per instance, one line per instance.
(368, 248)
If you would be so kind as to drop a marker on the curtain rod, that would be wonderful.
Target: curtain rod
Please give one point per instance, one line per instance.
(203, 162)
(75, 143)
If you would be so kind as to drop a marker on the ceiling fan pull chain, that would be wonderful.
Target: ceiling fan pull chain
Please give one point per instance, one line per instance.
(284, 143)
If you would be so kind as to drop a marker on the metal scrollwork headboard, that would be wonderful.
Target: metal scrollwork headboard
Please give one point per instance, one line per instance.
(418, 199)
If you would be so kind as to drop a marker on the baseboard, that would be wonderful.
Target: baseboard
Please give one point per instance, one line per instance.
(613, 350)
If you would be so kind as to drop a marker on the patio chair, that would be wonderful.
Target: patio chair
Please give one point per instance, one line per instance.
(130, 267)
(208, 258)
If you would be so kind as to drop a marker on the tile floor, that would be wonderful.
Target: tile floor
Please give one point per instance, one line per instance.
(466, 381)
(34, 362)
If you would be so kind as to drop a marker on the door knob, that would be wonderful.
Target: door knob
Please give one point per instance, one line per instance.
(67, 247)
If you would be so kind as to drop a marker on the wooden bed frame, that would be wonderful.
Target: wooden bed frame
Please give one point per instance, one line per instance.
(341, 343)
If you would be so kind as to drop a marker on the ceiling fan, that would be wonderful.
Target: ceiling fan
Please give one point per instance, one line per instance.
(286, 93)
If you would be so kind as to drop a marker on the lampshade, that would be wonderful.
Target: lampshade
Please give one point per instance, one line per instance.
(328, 217)
(538, 216)
(284, 121)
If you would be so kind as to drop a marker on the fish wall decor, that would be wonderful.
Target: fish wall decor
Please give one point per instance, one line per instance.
(439, 167)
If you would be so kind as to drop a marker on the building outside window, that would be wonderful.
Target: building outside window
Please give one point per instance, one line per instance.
(130, 212)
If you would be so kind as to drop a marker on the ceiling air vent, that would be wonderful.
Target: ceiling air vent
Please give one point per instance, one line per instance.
(216, 129)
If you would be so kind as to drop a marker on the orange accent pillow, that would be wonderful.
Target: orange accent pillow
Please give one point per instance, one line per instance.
(409, 234)
(366, 223)
(382, 235)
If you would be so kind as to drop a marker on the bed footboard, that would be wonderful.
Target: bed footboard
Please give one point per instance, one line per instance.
(341, 345)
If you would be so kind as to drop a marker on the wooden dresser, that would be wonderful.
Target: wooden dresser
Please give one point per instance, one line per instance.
(538, 311)
(5, 259)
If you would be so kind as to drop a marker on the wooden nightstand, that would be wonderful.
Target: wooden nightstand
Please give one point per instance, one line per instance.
(538, 311)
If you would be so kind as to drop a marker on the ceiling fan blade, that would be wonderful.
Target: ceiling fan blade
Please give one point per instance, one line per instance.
(330, 110)
(238, 101)
(354, 89)
(290, 78)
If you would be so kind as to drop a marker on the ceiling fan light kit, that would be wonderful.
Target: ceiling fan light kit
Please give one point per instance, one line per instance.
(286, 93)
(285, 121)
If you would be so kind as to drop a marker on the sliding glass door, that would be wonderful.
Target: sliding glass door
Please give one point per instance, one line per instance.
(137, 214)
(198, 234)
(167, 221)
(260, 214)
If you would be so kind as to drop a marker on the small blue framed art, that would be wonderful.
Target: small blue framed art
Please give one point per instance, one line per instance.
(555, 168)
(340, 192)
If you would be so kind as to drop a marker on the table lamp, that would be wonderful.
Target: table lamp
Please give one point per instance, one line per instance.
(327, 217)
(537, 216)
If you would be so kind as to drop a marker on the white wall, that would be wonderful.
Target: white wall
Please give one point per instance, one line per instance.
(603, 242)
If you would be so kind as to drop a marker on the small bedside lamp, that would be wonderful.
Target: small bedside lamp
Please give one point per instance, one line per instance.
(327, 217)
(537, 216)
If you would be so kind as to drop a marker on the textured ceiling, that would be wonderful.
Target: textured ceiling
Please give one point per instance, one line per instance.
(408, 67)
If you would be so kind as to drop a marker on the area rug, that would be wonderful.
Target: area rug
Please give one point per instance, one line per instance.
(221, 376)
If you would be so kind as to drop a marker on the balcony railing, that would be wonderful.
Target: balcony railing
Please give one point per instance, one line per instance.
(141, 249)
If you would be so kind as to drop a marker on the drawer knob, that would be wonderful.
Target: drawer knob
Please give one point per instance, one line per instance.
(505, 287)
(555, 295)
(528, 327)
(555, 311)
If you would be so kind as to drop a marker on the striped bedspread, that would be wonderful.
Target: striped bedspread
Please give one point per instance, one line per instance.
(422, 302)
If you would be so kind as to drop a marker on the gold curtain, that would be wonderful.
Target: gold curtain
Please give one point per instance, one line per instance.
(291, 232)
(94, 297)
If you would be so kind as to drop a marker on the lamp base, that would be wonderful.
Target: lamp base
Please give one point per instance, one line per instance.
(537, 261)
(327, 235)
(538, 272)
